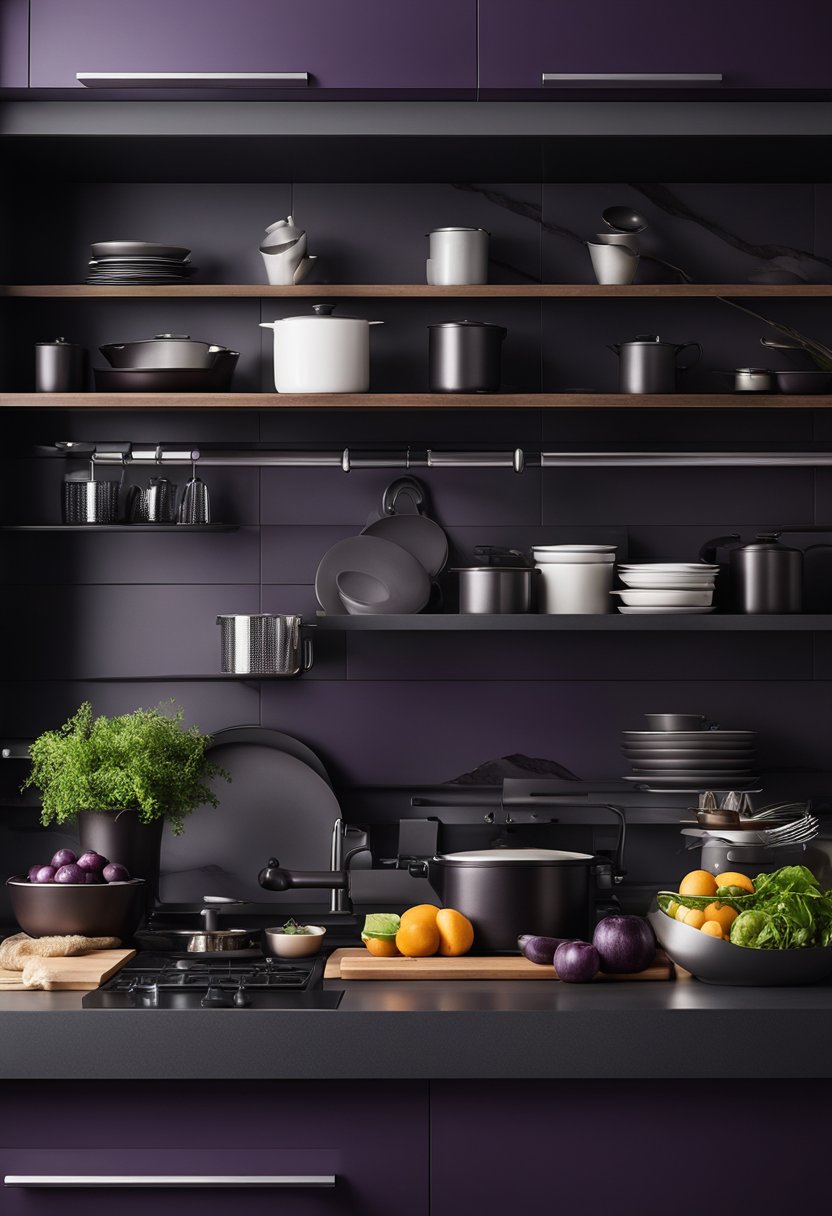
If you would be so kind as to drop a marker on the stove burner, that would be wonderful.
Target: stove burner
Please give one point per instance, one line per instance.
(153, 981)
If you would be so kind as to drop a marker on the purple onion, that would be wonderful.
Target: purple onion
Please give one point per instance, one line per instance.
(45, 874)
(92, 861)
(70, 874)
(114, 872)
(33, 872)
(63, 857)
(576, 962)
(626, 944)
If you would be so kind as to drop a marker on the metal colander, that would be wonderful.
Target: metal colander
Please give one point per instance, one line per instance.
(264, 644)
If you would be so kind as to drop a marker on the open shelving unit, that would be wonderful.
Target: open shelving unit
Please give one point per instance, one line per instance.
(541, 623)
(488, 291)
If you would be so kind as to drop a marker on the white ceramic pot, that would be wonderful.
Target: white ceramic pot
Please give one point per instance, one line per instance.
(614, 264)
(321, 353)
(579, 588)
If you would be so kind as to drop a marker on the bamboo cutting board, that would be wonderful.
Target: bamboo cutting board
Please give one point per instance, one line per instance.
(76, 973)
(357, 964)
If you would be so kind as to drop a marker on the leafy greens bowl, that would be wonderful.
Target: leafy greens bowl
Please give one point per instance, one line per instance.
(721, 962)
(781, 934)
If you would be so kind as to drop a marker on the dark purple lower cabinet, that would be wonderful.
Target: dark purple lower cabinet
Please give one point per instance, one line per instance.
(372, 1139)
(630, 1148)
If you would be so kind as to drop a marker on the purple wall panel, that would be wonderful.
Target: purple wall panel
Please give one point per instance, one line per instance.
(14, 44)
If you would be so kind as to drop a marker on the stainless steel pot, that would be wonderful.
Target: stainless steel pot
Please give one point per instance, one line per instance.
(464, 357)
(766, 577)
(164, 350)
(499, 589)
(60, 367)
(264, 643)
(648, 365)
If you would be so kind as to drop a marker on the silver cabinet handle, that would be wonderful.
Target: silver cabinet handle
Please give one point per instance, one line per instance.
(679, 78)
(133, 1181)
(150, 80)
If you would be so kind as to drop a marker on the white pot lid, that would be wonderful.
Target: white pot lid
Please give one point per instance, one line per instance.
(501, 856)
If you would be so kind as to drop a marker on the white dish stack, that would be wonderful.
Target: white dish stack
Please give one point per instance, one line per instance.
(667, 587)
(574, 579)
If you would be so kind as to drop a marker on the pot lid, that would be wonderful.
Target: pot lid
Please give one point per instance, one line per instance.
(492, 570)
(505, 856)
(459, 324)
(322, 312)
(57, 342)
(456, 230)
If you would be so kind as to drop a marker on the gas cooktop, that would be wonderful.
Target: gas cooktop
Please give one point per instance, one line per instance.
(186, 981)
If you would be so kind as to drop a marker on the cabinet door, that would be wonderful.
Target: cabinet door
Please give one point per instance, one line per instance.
(337, 44)
(752, 47)
(207, 1148)
(14, 44)
(623, 1147)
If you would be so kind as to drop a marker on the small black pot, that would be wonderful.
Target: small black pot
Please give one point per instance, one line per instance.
(464, 357)
(121, 836)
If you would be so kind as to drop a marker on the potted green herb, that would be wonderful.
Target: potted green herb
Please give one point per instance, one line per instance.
(122, 779)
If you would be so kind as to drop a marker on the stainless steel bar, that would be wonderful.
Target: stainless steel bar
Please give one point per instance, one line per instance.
(607, 78)
(190, 80)
(133, 1181)
(477, 460)
(599, 460)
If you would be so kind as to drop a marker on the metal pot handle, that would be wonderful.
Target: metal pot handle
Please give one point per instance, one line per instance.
(308, 654)
(685, 346)
(618, 870)
(418, 869)
(402, 485)
(492, 551)
(707, 552)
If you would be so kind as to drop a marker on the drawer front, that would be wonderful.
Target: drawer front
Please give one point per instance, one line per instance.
(324, 44)
(14, 44)
(521, 42)
(303, 1149)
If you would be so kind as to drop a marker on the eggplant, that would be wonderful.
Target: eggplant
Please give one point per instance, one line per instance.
(540, 950)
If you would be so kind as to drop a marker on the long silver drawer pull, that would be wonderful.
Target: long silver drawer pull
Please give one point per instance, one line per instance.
(105, 80)
(132, 1181)
(631, 78)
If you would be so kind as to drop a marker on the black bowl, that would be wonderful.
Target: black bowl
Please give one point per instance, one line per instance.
(112, 909)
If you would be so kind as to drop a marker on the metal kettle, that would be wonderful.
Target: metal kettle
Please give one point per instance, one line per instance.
(766, 577)
(648, 365)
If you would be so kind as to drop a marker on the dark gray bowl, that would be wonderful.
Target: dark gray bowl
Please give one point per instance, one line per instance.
(718, 962)
(112, 909)
(804, 381)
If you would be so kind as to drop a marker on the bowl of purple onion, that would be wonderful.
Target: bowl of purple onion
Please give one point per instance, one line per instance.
(86, 894)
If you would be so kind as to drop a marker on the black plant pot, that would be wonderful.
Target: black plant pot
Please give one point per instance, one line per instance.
(121, 836)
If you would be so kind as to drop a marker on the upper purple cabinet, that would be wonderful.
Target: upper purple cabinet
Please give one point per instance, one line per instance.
(14, 44)
(307, 45)
(554, 45)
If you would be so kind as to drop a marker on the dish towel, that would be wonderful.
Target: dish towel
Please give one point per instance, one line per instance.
(21, 956)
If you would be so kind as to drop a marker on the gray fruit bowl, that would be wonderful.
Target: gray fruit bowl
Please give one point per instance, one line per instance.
(112, 909)
(720, 962)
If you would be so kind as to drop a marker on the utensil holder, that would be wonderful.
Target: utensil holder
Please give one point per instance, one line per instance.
(89, 501)
(264, 644)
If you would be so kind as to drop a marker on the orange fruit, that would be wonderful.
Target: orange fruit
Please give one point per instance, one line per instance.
(698, 882)
(420, 914)
(381, 947)
(456, 933)
(418, 940)
(736, 880)
(695, 917)
(722, 914)
(713, 928)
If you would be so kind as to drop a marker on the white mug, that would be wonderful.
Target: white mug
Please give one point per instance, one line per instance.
(458, 256)
(613, 263)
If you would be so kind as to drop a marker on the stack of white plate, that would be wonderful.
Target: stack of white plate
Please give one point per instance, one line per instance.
(136, 262)
(667, 587)
(692, 759)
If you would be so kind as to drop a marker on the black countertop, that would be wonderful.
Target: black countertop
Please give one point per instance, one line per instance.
(425, 1030)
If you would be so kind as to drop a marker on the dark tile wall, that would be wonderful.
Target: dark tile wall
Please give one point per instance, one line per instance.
(121, 620)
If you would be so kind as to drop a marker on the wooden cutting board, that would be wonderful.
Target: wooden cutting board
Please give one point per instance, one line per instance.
(79, 972)
(357, 964)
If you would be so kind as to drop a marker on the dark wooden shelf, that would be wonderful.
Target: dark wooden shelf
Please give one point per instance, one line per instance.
(119, 527)
(496, 291)
(412, 401)
(613, 623)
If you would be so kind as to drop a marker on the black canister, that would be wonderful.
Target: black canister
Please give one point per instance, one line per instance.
(464, 357)
(59, 367)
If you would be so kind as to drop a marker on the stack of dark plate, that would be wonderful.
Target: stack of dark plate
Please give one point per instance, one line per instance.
(692, 759)
(135, 262)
